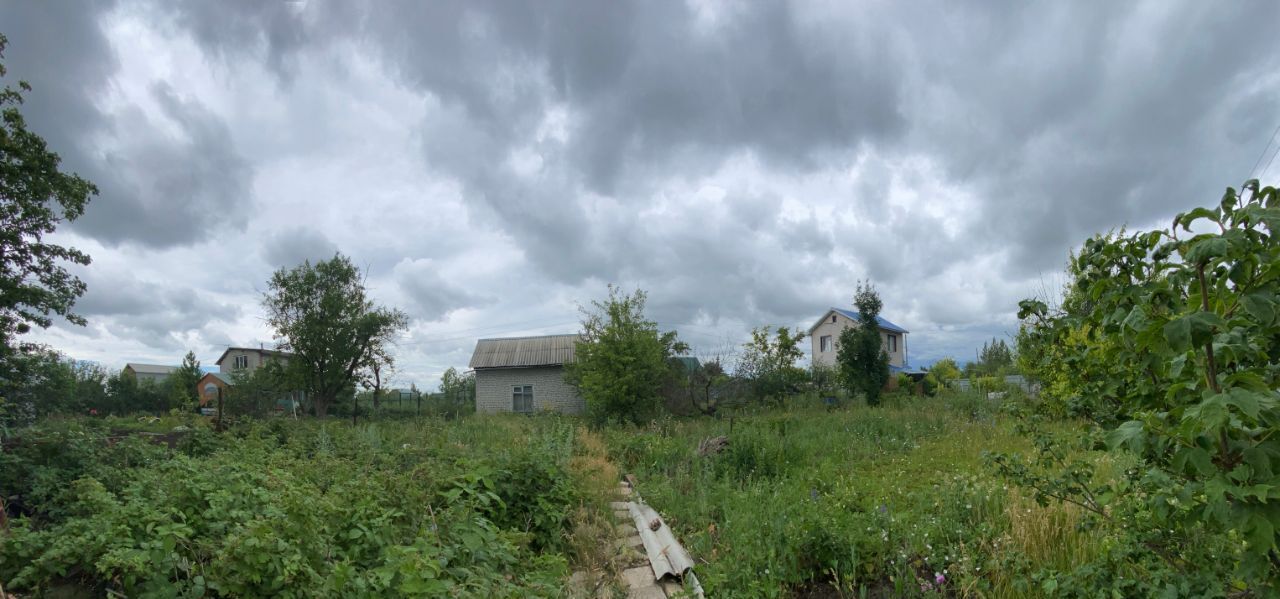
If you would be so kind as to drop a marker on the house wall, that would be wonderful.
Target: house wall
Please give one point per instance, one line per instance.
(828, 358)
(256, 360)
(142, 377)
(210, 399)
(550, 392)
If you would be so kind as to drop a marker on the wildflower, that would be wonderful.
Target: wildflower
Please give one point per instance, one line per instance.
(938, 578)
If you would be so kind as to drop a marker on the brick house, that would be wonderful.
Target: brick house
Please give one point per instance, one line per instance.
(525, 375)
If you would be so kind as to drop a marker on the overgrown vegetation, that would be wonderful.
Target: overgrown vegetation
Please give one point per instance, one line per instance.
(480, 508)
(1167, 343)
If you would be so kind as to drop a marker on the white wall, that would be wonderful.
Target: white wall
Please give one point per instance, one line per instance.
(550, 392)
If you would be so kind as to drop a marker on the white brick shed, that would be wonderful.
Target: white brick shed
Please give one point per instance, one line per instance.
(525, 374)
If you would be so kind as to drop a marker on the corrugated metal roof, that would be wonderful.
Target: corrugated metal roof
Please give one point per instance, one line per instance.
(851, 315)
(150, 368)
(517, 352)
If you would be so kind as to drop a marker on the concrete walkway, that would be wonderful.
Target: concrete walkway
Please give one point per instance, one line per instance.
(637, 574)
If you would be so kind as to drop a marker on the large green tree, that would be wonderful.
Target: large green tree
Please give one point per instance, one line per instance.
(35, 197)
(622, 360)
(322, 314)
(861, 359)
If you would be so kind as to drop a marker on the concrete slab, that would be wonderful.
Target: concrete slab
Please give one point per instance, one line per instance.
(619, 505)
(639, 577)
(649, 592)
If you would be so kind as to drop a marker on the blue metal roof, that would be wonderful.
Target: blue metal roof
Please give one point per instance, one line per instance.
(884, 324)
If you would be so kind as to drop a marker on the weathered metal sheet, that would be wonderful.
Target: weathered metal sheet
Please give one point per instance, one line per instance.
(518, 352)
(666, 555)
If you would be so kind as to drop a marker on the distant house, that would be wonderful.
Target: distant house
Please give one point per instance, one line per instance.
(209, 386)
(824, 336)
(149, 372)
(248, 359)
(525, 374)
(242, 361)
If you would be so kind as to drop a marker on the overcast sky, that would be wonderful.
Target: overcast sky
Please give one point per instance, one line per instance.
(492, 165)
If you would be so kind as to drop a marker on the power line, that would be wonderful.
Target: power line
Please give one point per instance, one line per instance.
(1263, 153)
(1268, 167)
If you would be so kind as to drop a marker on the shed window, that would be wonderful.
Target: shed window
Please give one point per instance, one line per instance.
(522, 398)
(824, 343)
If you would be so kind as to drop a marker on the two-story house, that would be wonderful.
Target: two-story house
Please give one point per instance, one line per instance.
(824, 336)
(248, 359)
(243, 361)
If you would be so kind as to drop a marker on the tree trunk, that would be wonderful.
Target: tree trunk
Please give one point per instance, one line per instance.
(321, 406)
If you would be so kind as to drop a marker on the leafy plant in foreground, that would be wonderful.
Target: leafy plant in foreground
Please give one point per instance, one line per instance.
(1190, 320)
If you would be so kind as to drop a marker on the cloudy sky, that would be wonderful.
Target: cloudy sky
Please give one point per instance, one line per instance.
(492, 165)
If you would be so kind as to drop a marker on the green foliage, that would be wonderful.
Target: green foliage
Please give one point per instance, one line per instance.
(322, 314)
(183, 382)
(458, 392)
(861, 359)
(995, 359)
(1175, 335)
(945, 371)
(35, 197)
(769, 363)
(256, 393)
(857, 502)
(622, 359)
(285, 508)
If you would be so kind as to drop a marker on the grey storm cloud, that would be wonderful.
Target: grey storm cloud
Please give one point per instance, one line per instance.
(430, 295)
(743, 162)
(153, 314)
(157, 189)
(291, 247)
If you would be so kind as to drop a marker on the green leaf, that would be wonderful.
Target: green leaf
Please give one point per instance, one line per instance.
(1178, 334)
(1187, 218)
(1191, 330)
(1205, 249)
(1260, 306)
(1130, 434)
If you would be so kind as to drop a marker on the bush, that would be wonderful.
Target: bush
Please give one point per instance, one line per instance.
(297, 509)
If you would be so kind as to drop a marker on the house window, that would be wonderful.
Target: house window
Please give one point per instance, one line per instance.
(824, 343)
(241, 362)
(522, 398)
(833, 318)
(893, 344)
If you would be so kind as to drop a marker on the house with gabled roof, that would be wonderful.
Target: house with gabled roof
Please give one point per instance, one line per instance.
(154, 373)
(525, 375)
(824, 337)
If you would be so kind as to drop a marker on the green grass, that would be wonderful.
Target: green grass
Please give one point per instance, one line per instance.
(858, 500)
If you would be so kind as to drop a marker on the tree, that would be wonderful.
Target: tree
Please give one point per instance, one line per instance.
(704, 387)
(458, 391)
(378, 367)
(861, 359)
(622, 359)
(323, 315)
(1178, 343)
(945, 371)
(770, 363)
(256, 392)
(35, 197)
(183, 382)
